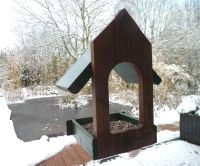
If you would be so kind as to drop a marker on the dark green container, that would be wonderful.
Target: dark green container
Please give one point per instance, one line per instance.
(86, 139)
(190, 128)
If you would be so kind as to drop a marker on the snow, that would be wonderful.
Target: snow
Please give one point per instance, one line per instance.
(21, 153)
(42, 149)
(167, 135)
(16, 152)
(1, 92)
(78, 102)
(166, 116)
(167, 151)
(174, 153)
(22, 94)
(197, 113)
(189, 104)
(114, 98)
(173, 67)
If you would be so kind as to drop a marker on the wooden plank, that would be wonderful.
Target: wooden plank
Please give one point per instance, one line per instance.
(42, 164)
(83, 155)
(59, 160)
(50, 162)
(67, 157)
(172, 127)
(74, 155)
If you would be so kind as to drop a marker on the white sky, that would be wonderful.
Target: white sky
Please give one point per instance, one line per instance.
(7, 37)
(7, 22)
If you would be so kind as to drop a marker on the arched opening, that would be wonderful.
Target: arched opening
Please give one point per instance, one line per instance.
(123, 86)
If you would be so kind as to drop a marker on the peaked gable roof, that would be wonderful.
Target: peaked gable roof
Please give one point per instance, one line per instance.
(78, 75)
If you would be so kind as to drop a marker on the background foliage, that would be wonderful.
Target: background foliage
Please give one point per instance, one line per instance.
(52, 34)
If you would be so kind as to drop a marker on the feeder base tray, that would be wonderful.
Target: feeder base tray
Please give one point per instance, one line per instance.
(131, 135)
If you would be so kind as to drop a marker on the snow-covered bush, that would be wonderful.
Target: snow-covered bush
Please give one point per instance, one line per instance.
(190, 105)
(173, 86)
(68, 100)
(122, 92)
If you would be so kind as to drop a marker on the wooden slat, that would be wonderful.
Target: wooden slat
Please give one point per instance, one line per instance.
(59, 160)
(74, 155)
(71, 155)
(50, 162)
(172, 127)
(67, 157)
(84, 156)
(42, 164)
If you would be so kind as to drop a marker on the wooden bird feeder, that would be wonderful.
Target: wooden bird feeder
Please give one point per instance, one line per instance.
(123, 47)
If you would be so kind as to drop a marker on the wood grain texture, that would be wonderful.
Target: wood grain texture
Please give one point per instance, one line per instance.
(74, 155)
(50, 162)
(69, 156)
(121, 41)
(83, 155)
(59, 160)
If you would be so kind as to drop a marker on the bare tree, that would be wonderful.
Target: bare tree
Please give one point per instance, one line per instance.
(151, 16)
(70, 24)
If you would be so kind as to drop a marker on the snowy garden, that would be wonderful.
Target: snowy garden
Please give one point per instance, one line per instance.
(168, 150)
(51, 37)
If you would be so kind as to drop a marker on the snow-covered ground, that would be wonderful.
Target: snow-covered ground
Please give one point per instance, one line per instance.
(170, 153)
(16, 152)
(163, 115)
(166, 116)
(174, 153)
(22, 94)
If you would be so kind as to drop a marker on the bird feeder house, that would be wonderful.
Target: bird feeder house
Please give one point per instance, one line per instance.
(123, 47)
